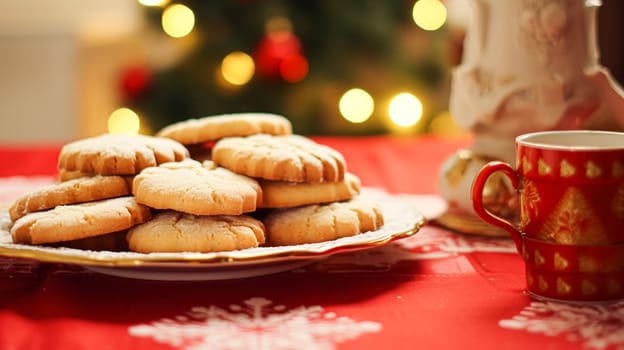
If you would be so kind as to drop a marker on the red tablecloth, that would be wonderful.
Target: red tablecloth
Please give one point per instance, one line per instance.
(436, 289)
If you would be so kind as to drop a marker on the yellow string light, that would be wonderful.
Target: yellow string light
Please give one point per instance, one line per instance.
(124, 121)
(178, 20)
(405, 110)
(237, 68)
(153, 3)
(444, 125)
(356, 105)
(429, 14)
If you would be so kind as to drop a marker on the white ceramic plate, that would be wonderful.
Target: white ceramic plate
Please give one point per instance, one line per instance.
(402, 219)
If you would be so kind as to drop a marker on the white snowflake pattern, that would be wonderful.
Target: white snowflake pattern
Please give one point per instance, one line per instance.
(597, 326)
(428, 244)
(256, 325)
(434, 243)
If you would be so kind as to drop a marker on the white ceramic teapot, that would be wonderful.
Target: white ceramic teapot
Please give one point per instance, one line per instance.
(527, 65)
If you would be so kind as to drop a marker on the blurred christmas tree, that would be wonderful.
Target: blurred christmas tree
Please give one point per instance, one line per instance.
(299, 58)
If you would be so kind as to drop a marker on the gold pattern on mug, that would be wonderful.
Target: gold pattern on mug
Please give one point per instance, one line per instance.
(539, 259)
(526, 165)
(543, 168)
(563, 287)
(566, 169)
(572, 221)
(529, 200)
(592, 170)
(560, 262)
(587, 264)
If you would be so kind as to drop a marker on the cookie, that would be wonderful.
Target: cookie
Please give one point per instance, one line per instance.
(84, 189)
(318, 223)
(195, 188)
(77, 221)
(117, 154)
(282, 194)
(291, 158)
(212, 128)
(171, 231)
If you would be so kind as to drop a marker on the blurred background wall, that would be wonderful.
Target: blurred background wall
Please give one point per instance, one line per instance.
(58, 65)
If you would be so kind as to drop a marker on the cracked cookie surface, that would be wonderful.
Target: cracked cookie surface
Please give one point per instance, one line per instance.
(318, 223)
(292, 158)
(85, 189)
(172, 231)
(212, 128)
(196, 188)
(117, 154)
(77, 221)
(282, 194)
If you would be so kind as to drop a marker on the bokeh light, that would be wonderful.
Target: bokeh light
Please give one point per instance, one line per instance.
(429, 14)
(178, 20)
(443, 124)
(237, 68)
(124, 121)
(153, 3)
(405, 109)
(356, 105)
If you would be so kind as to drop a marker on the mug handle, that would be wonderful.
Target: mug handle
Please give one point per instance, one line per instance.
(477, 197)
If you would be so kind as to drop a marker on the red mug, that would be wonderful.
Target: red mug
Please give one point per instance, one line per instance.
(571, 189)
(580, 273)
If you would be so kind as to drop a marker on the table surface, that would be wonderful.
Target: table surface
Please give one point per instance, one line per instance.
(436, 289)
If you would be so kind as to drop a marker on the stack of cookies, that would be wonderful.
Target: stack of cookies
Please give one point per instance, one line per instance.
(93, 205)
(212, 184)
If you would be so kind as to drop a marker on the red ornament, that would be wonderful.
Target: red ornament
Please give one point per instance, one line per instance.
(134, 81)
(294, 68)
(272, 50)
